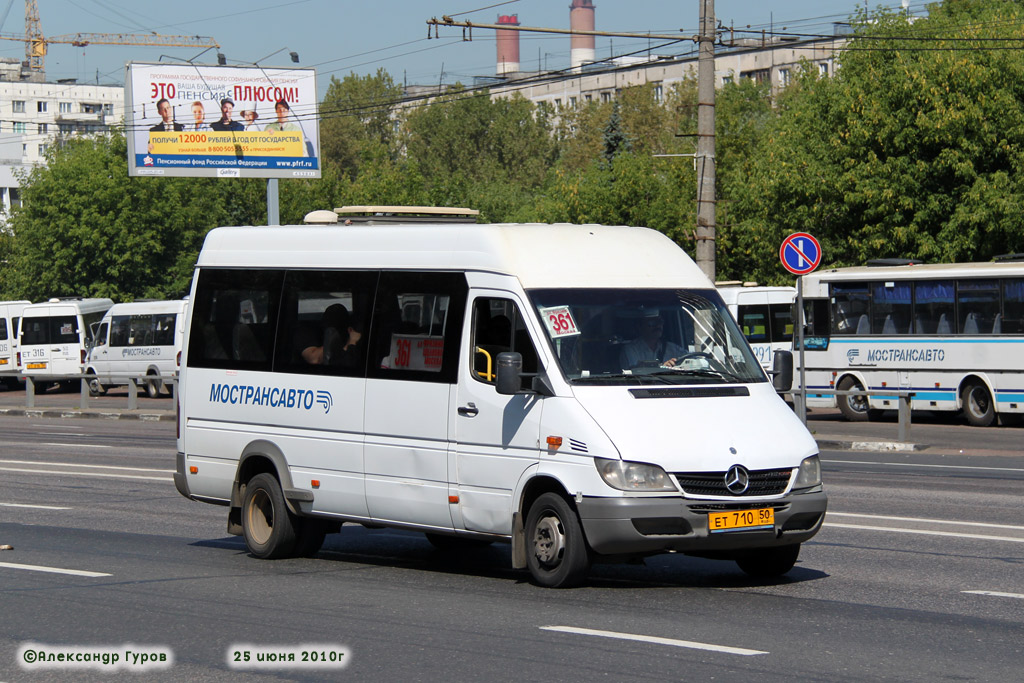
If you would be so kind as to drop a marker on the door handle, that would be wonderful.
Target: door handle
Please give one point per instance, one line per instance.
(468, 410)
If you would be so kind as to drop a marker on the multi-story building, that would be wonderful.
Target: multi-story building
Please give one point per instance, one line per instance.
(35, 115)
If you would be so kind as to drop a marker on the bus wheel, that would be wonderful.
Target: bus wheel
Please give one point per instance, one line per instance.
(769, 562)
(95, 388)
(556, 551)
(267, 525)
(153, 385)
(977, 404)
(854, 408)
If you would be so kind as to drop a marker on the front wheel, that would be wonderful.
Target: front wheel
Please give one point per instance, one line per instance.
(153, 385)
(95, 387)
(267, 524)
(556, 551)
(854, 407)
(977, 403)
(766, 563)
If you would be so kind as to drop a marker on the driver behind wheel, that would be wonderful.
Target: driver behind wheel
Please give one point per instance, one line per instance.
(649, 348)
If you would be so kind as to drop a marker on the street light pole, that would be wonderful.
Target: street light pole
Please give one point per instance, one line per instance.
(705, 234)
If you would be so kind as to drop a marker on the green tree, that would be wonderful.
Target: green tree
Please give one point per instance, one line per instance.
(914, 149)
(356, 115)
(86, 228)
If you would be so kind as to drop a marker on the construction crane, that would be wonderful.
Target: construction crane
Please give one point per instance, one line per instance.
(36, 44)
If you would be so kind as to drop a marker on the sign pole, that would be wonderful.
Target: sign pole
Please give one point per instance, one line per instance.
(802, 394)
(273, 210)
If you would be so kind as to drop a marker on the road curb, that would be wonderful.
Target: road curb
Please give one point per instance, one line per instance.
(87, 414)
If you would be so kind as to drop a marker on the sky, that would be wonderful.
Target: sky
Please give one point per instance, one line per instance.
(338, 37)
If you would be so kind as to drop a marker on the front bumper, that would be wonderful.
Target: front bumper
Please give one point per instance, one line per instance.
(631, 526)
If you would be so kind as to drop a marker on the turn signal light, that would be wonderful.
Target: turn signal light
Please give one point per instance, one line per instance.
(193, 469)
(452, 500)
(554, 441)
(315, 483)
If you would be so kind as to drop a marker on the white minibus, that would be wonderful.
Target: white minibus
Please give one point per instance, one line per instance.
(765, 315)
(54, 336)
(10, 314)
(136, 339)
(578, 391)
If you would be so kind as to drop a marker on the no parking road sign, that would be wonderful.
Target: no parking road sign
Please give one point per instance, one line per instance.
(800, 253)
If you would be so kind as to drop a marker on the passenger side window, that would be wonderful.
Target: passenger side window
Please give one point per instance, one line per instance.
(120, 330)
(234, 318)
(417, 326)
(3, 329)
(498, 326)
(324, 321)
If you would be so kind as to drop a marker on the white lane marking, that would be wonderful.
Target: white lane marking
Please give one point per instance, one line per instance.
(921, 519)
(74, 445)
(996, 594)
(654, 639)
(34, 507)
(915, 464)
(62, 434)
(51, 570)
(78, 464)
(924, 532)
(84, 474)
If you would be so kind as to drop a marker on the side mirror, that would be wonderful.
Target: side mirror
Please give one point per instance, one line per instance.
(510, 368)
(782, 371)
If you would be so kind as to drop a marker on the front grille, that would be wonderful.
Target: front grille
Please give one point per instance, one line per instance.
(762, 483)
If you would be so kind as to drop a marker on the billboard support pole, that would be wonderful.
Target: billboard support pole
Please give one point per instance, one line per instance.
(273, 211)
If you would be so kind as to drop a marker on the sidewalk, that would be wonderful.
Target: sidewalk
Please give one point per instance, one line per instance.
(112, 406)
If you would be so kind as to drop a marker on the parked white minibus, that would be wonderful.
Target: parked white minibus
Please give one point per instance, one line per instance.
(10, 314)
(54, 336)
(765, 315)
(579, 391)
(139, 338)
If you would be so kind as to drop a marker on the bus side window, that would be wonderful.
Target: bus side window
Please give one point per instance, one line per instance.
(498, 326)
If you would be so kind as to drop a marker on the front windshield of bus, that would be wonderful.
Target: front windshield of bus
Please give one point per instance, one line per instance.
(645, 336)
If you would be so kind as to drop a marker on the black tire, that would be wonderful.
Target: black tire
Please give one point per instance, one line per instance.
(556, 550)
(95, 388)
(310, 536)
(977, 404)
(456, 543)
(853, 408)
(267, 524)
(766, 563)
(153, 385)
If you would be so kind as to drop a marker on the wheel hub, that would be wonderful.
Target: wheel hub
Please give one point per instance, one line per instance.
(549, 540)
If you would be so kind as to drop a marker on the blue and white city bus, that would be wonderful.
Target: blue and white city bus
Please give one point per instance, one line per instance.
(951, 333)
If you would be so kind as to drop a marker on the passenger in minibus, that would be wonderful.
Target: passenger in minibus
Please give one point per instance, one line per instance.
(336, 341)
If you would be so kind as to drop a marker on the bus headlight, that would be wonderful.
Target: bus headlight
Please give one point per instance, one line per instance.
(809, 473)
(633, 476)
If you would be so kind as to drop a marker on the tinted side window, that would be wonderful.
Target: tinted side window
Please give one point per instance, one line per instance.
(753, 321)
(324, 322)
(498, 326)
(3, 329)
(851, 304)
(1012, 320)
(64, 329)
(933, 307)
(417, 326)
(977, 305)
(35, 331)
(891, 308)
(234, 319)
(120, 330)
(163, 328)
(782, 322)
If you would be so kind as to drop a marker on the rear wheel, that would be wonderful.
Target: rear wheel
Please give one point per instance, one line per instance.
(977, 404)
(556, 551)
(769, 562)
(267, 524)
(853, 407)
(153, 385)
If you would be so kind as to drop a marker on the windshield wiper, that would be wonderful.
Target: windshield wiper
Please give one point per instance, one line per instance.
(703, 372)
(638, 378)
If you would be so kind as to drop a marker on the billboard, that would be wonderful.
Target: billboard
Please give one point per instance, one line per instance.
(221, 121)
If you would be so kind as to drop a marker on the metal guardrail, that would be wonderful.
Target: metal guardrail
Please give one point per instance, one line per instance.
(134, 383)
(903, 408)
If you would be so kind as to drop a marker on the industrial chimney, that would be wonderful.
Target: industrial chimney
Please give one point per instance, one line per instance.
(508, 45)
(581, 18)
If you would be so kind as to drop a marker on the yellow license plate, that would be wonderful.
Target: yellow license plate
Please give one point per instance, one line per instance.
(36, 366)
(741, 520)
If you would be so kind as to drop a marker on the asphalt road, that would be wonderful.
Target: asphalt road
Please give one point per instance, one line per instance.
(917, 576)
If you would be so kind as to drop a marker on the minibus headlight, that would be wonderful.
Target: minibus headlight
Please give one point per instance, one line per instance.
(809, 473)
(633, 476)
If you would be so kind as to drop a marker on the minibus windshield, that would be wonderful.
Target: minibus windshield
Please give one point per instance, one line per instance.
(645, 336)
